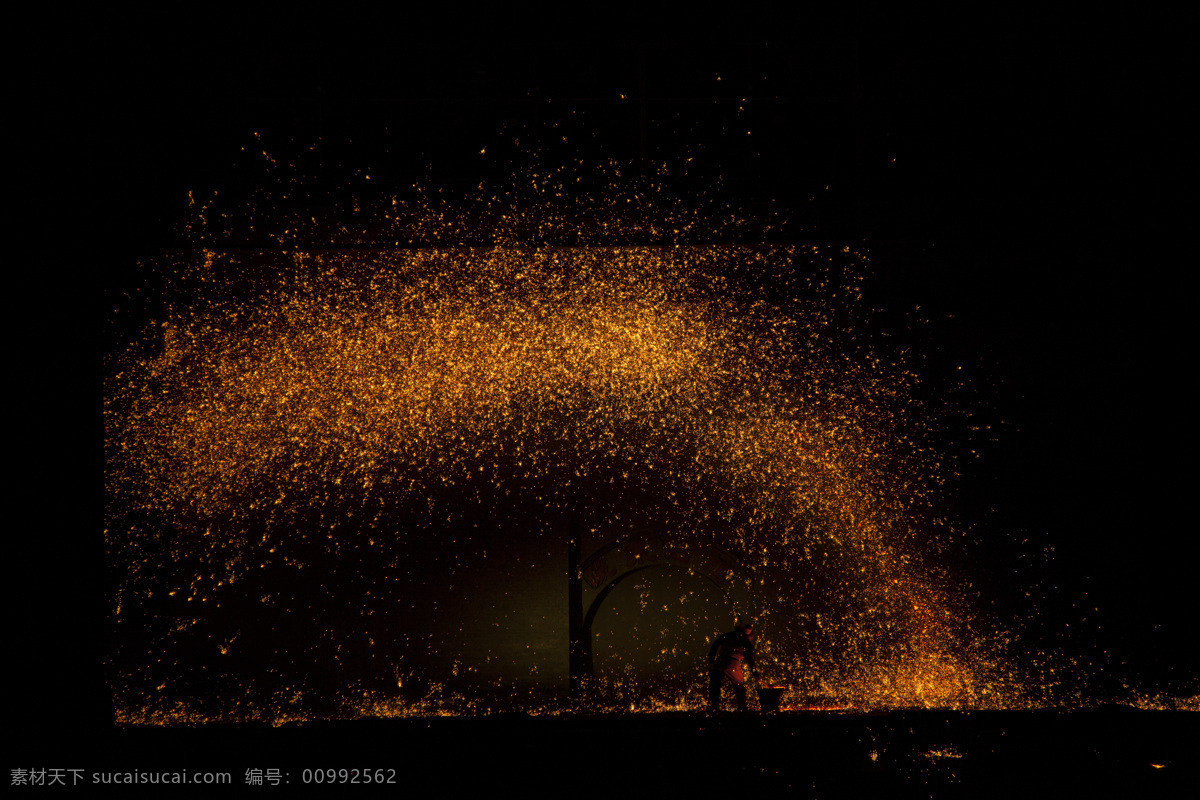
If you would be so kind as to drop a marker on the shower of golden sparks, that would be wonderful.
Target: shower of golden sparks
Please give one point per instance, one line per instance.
(305, 407)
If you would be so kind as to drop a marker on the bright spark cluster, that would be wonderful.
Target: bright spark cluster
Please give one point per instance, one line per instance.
(302, 404)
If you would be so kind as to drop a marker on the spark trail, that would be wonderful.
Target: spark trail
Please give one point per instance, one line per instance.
(315, 412)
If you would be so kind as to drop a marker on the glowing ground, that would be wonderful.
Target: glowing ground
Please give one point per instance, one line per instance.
(1101, 753)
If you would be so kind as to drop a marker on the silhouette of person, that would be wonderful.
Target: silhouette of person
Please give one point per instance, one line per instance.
(728, 658)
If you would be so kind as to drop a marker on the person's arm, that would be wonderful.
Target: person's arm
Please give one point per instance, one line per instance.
(712, 651)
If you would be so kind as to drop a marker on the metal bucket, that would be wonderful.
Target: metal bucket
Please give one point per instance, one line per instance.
(769, 698)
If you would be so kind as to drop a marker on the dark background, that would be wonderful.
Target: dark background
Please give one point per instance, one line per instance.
(1022, 173)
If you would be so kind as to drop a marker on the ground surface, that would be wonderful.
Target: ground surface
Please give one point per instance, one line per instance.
(1096, 753)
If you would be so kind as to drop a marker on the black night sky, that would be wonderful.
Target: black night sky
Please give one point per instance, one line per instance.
(1020, 179)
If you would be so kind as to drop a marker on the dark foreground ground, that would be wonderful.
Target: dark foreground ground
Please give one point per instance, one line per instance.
(1114, 752)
